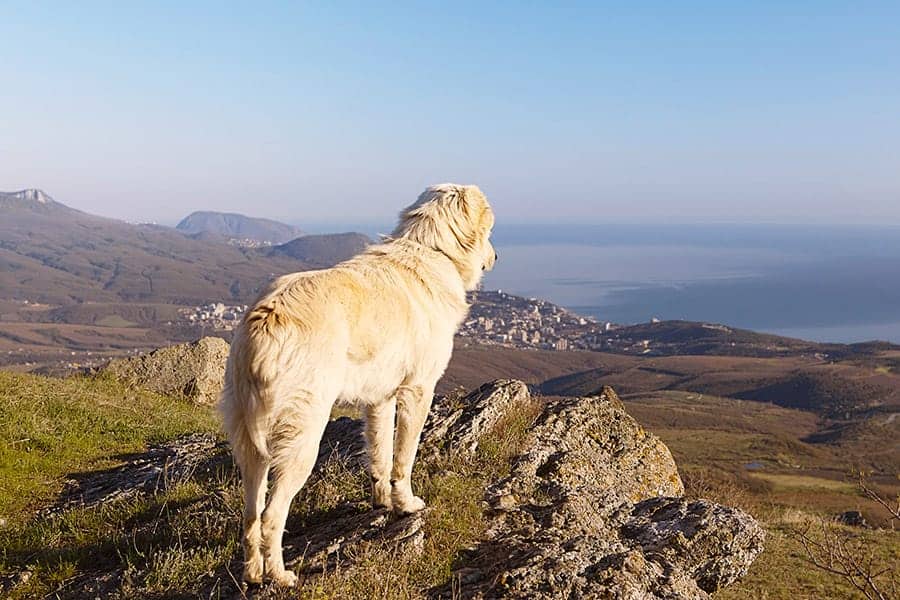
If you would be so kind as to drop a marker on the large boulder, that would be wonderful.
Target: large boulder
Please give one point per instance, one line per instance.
(195, 370)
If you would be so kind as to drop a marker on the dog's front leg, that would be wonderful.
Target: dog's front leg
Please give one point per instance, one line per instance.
(413, 403)
(380, 446)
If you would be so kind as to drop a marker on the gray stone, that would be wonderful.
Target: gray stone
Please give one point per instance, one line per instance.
(592, 508)
(194, 370)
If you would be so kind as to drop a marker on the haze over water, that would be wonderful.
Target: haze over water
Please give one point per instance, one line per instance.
(823, 283)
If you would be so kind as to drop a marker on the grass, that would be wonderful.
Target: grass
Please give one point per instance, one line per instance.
(783, 572)
(183, 542)
(53, 427)
(170, 543)
(781, 481)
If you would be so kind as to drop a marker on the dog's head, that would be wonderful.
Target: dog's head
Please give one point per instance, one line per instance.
(457, 221)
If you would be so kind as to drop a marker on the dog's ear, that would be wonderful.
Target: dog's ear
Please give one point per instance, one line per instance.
(465, 209)
(447, 217)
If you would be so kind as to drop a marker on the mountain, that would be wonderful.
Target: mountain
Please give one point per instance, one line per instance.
(323, 250)
(32, 201)
(233, 226)
(51, 253)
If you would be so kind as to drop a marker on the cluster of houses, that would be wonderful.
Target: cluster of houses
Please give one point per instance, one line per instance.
(216, 315)
(509, 320)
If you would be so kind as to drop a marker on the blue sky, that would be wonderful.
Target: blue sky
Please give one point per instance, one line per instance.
(562, 112)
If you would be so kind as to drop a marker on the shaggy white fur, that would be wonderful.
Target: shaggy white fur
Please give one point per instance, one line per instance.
(377, 331)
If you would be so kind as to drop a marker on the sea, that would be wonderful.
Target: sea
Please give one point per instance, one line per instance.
(821, 283)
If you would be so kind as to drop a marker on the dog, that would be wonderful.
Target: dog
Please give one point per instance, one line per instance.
(375, 331)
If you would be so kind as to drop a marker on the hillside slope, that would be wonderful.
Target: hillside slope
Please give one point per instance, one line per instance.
(323, 250)
(54, 254)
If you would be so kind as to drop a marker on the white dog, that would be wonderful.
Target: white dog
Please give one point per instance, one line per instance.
(377, 331)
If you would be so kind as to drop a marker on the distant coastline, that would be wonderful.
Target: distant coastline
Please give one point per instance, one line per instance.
(827, 283)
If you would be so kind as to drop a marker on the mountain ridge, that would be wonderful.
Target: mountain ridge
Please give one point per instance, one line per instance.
(54, 254)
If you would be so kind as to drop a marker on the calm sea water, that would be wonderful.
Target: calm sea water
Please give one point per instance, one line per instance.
(819, 283)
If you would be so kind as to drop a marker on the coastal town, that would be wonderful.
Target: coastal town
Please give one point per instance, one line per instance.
(496, 318)
(508, 320)
(217, 316)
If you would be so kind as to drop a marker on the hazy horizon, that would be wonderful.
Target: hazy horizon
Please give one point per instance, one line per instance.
(701, 111)
(386, 223)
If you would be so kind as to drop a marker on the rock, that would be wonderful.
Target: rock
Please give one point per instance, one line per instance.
(597, 514)
(194, 370)
(161, 467)
(713, 544)
(592, 508)
(458, 425)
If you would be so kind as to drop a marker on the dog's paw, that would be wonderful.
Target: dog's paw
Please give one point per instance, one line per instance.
(381, 496)
(253, 571)
(285, 579)
(408, 506)
(384, 505)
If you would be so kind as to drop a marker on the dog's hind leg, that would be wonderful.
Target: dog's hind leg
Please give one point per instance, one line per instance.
(294, 445)
(380, 446)
(254, 473)
(413, 403)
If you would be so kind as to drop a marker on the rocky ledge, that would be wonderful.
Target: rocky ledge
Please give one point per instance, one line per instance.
(593, 507)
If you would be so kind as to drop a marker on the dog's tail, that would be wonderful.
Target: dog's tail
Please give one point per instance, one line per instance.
(245, 416)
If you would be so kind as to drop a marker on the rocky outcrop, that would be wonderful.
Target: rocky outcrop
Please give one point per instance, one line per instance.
(592, 508)
(193, 370)
(161, 467)
(591, 505)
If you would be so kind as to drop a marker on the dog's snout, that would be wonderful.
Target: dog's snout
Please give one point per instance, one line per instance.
(496, 256)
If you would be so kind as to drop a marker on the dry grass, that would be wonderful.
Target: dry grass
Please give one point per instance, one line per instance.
(781, 481)
(184, 542)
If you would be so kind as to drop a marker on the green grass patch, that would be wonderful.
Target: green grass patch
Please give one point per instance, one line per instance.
(184, 542)
(51, 427)
(115, 321)
(781, 481)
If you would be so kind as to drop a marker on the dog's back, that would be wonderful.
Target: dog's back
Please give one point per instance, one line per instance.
(363, 324)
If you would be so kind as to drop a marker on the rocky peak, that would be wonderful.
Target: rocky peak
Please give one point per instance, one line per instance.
(26, 197)
(33, 195)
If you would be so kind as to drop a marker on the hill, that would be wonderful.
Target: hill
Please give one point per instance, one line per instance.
(841, 390)
(667, 338)
(53, 254)
(233, 226)
(323, 250)
(141, 510)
